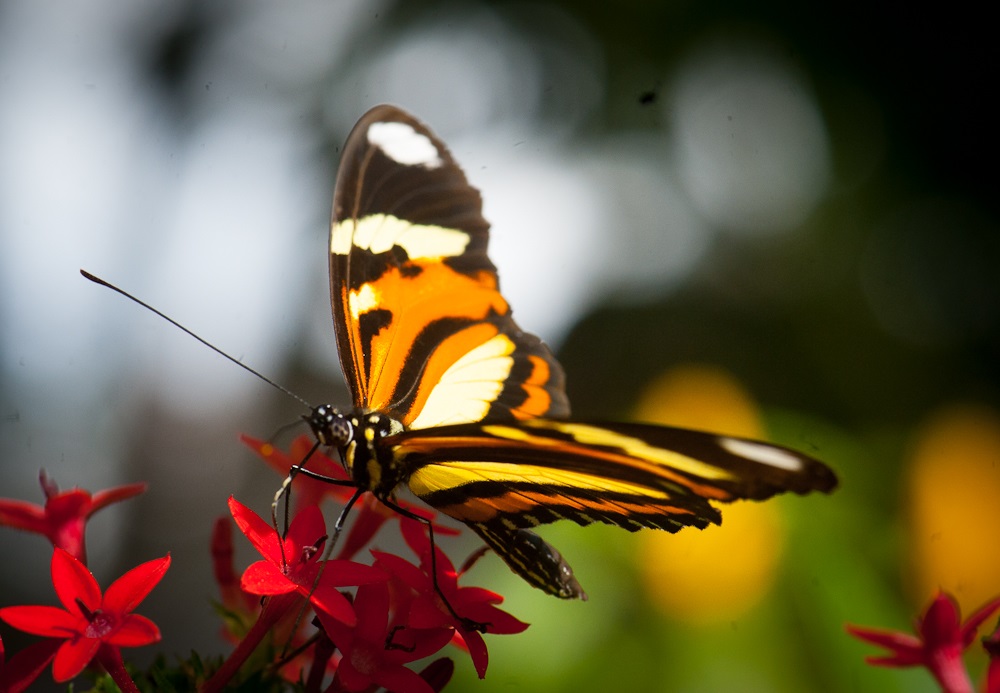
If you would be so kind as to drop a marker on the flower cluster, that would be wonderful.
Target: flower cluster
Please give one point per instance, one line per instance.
(324, 622)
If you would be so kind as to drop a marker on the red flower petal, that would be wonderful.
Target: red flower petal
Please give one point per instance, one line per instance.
(47, 621)
(900, 660)
(126, 592)
(500, 622)
(421, 643)
(427, 611)
(401, 680)
(135, 631)
(264, 578)
(102, 499)
(349, 573)
(372, 605)
(337, 631)
(73, 581)
(22, 669)
(261, 535)
(328, 599)
(409, 574)
(307, 528)
(73, 656)
(354, 678)
(908, 649)
(977, 619)
(940, 623)
(21, 515)
(438, 673)
(477, 596)
(477, 650)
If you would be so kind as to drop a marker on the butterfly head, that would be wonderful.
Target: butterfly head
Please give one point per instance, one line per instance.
(330, 427)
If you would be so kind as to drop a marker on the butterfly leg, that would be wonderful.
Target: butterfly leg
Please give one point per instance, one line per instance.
(285, 491)
(467, 623)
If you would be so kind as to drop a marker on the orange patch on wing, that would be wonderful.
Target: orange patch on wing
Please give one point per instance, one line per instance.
(538, 398)
(416, 300)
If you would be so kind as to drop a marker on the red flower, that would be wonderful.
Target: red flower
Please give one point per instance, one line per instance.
(65, 514)
(474, 605)
(293, 564)
(90, 624)
(938, 646)
(374, 654)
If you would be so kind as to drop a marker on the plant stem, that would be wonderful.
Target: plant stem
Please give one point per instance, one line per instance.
(275, 607)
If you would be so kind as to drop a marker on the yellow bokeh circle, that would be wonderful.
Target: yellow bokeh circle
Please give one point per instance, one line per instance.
(716, 574)
(954, 506)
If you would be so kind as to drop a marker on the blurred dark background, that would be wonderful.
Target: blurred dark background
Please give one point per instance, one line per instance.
(795, 198)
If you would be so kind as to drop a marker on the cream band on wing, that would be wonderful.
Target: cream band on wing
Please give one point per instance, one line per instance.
(380, 232)
(469, 386)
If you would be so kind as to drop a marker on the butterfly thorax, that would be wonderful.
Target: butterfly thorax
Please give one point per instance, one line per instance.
(356, 435)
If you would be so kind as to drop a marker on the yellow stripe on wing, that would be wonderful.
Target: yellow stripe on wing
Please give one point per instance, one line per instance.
(631, 446)
(445, 476)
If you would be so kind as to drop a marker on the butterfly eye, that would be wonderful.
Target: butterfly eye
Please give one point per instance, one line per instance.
(330, 426)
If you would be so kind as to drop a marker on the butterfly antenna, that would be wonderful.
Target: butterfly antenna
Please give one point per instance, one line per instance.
(98, 280)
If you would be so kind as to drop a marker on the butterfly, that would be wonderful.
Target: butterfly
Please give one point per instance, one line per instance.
(452, 400)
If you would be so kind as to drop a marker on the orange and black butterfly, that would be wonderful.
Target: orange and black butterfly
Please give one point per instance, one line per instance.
(454, 401)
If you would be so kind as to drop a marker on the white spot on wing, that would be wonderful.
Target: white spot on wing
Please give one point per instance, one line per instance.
(404, 145)
(763, 453)
(380, 232)
(469, 386)
(362, 300)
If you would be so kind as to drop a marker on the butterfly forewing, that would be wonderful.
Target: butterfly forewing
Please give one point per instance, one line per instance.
(423, 332)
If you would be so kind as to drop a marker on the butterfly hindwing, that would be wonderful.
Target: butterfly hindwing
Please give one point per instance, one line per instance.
(630, 475)
(423, 332)
(532, 558)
